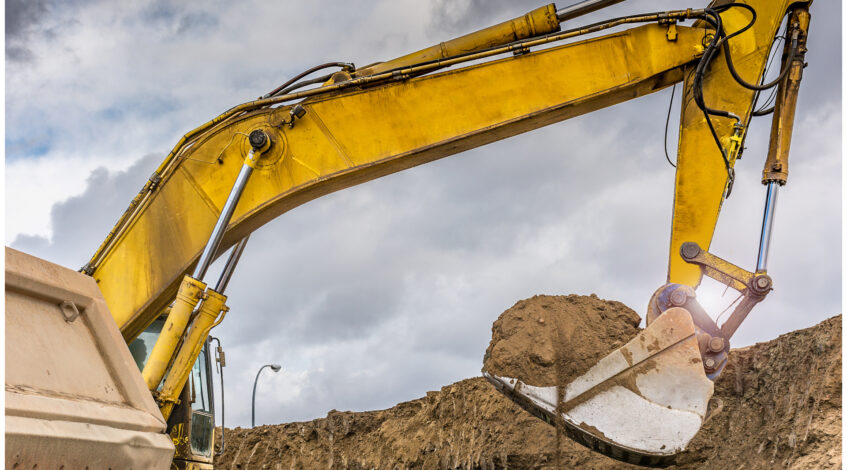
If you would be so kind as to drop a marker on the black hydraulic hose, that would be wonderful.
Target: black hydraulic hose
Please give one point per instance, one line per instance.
(223, 415)
(764, 111)
(719, 40)
(667, 122)
(298, 85)
(698, 84)
(327, 65)
(714, 47)
(700, 70)
(791, 55)
(728, 56)
(749, 25)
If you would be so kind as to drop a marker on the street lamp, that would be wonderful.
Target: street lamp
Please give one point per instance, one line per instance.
(275, 368)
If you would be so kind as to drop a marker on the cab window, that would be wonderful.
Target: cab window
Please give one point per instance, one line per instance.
(202, 421)
(142, 346)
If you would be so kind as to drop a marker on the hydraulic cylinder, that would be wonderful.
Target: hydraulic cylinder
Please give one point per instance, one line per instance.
(538, 22)
(203, 322)
(189, 294)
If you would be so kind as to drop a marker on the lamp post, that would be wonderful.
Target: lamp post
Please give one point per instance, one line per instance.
(275, 368)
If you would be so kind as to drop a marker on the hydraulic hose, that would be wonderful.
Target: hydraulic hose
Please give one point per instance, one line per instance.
(299, 85)
(728, 56)
(221, 364)
(297, 77)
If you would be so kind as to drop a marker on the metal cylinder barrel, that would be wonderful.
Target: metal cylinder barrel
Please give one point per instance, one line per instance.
(191, 347)
(535, 23)
(189, 294)
(782, 126)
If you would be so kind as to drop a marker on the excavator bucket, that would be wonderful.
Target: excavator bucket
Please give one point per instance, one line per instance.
(641, 404)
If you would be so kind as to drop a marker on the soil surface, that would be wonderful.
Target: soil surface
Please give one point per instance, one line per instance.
(781, 406)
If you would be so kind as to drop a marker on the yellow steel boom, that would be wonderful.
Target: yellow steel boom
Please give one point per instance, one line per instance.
(355, 136)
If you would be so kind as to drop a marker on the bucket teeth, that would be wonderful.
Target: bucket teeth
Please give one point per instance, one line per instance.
(641, 404)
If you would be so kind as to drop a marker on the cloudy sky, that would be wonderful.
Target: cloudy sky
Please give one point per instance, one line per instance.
(404, 275)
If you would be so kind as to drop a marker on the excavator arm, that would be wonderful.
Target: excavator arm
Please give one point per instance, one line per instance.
(263, 158)
(703, 178)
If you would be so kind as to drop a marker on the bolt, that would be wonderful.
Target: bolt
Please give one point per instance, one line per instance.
(689, 250)
(679, 297)
(716, 344)
(258, 139)
(761, 284)
(709, 363)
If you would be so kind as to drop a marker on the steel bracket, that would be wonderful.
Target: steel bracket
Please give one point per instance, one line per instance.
(671, 33)
(69, 311)
(520, 49)
(754, 287)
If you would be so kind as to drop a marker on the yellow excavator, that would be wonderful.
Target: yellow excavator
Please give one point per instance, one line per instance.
(76, 341)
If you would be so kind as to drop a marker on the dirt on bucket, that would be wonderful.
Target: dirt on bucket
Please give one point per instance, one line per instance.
(551, 340)
(781, 406)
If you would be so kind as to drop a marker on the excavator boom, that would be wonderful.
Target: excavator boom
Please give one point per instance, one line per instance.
(351, 136)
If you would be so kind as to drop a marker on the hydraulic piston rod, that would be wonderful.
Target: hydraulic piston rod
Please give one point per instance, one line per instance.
(767, 227)
(226, 214)
(259, 142)
(234, 256)
(582, 8)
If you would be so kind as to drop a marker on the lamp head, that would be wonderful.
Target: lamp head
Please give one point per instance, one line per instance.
(276, 367)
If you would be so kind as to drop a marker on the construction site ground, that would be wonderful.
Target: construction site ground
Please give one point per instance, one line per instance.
(781, 406)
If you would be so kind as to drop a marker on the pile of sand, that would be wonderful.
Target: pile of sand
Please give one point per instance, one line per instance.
(782, 406)
(551, 340)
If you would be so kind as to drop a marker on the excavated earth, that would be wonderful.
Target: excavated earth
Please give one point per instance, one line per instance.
(781, 406)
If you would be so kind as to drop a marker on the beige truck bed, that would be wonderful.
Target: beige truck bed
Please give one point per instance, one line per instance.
(74, 396)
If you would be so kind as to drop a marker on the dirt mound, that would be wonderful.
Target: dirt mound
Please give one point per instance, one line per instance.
(549, 340)
(781, 405)
(781, 408)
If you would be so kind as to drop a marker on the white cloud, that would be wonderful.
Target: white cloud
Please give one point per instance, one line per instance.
(34, 185)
